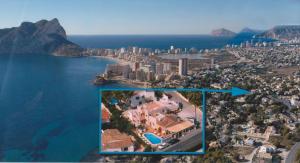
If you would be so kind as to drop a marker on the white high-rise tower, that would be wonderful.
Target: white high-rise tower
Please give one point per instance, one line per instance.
(183, 66)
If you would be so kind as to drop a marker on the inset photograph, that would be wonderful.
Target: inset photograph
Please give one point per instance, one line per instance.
(151, 122)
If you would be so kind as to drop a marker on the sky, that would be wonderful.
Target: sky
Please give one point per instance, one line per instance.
(91, 17)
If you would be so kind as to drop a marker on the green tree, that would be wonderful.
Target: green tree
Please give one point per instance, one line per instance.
(148, 148)
(158, 94)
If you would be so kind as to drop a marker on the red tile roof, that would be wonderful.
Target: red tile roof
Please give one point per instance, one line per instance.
(105, 113)
(169, 120)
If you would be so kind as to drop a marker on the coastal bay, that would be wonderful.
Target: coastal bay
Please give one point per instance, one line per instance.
(48, 107)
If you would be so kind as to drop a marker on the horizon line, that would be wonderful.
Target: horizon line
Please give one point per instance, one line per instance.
(179, 34)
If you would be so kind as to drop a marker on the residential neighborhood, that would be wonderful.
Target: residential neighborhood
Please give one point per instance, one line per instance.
(151, 121)
(259, 127)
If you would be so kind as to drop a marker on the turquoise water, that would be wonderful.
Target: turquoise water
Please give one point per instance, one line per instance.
(113, 101)
(153, 138)
(48, 107)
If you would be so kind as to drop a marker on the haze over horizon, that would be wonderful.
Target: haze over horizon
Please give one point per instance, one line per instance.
(96, 17)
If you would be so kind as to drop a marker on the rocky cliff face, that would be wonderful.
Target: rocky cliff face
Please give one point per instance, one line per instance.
(284, 32)
(223, 33)
(42, 37)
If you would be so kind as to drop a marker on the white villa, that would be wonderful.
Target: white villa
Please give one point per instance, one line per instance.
(157, 116)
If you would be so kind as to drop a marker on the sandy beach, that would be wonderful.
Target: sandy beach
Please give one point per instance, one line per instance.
(119, 61)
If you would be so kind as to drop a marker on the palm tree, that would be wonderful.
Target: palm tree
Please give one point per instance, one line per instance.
(158, 94)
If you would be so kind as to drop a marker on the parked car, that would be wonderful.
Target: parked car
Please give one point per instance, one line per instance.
(163, 145)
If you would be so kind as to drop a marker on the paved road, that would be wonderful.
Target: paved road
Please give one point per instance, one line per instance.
(237, 55)
(193, 139)
(251, 156)
(292, 154)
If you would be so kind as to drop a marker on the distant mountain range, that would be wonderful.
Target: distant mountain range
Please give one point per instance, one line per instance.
(250, 31)
(49, 37)
(283, 32)
(42, 37)
(222, 32)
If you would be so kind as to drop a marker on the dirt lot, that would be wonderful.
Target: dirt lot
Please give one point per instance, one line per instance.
(286, 70)
(243, 150)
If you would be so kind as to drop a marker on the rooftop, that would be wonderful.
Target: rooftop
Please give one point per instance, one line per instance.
(152, 106)
(113, 138)
(105, 113)
(180, 126)
(168, 121)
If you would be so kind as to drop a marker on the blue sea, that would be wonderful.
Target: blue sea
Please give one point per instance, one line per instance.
(156, 41)
(49, 106)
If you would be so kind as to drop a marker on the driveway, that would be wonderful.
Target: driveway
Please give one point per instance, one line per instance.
(188, 111)
(189, 141)
(292, 154)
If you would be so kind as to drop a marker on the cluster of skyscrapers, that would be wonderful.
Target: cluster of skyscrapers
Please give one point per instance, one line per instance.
(147, 72)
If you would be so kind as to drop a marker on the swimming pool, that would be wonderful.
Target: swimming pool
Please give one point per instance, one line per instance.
(153, 138)
(113, 101)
